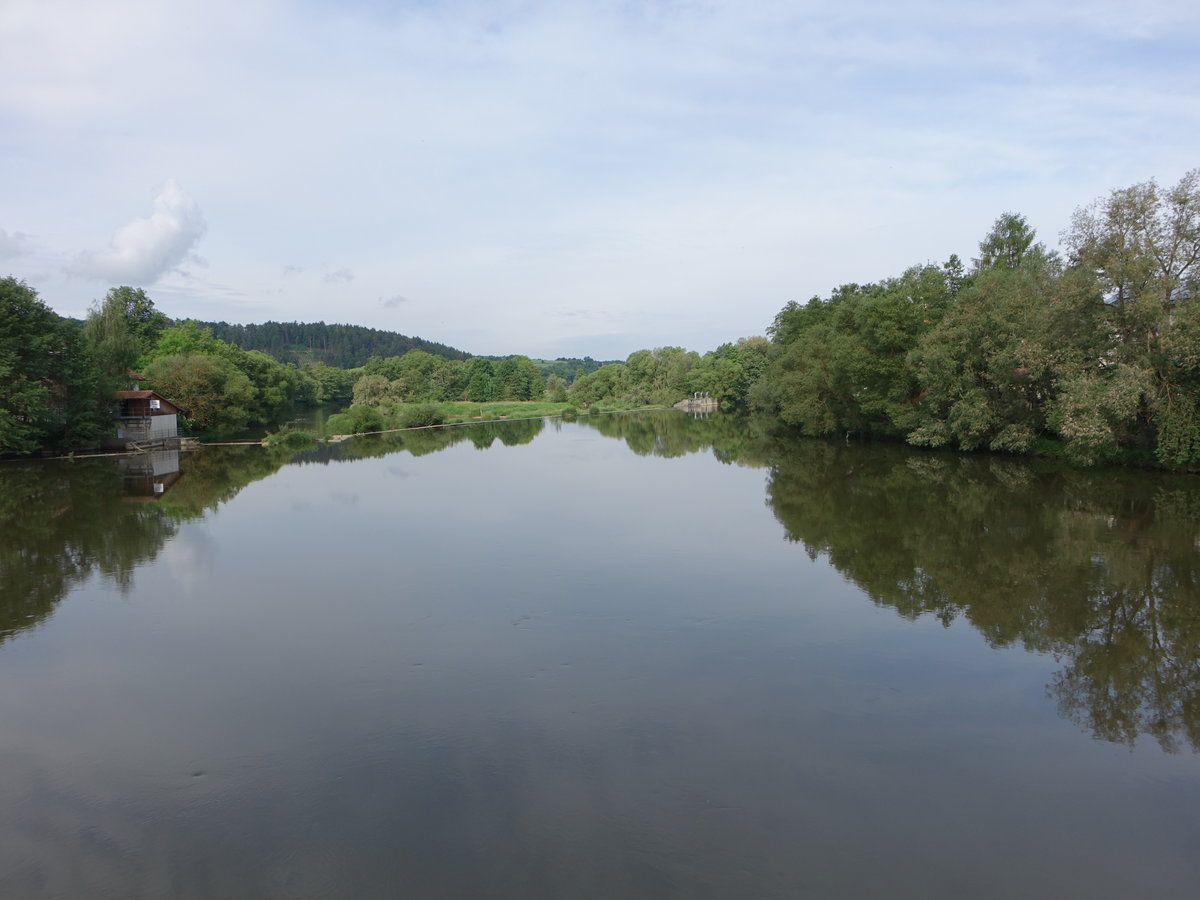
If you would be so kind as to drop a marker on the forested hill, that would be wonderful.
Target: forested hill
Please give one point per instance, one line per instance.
(342, 346)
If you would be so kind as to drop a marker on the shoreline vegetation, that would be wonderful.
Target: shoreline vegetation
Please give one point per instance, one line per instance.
(1092, 358)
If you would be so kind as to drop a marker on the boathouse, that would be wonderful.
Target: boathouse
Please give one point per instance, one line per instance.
(146, 419)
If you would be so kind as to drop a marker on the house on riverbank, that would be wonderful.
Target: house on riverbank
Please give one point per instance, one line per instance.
(145, 419)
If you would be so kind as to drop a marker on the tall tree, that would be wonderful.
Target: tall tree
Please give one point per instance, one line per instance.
(1142, 246)
(119, 329)
(47, 384)
(1008, 244)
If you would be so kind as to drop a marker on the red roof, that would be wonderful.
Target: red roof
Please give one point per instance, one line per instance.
(146, 395)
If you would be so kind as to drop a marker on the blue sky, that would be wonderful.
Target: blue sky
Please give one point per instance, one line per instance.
(560, 178)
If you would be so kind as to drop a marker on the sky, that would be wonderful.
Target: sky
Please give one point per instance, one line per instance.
(561, 178)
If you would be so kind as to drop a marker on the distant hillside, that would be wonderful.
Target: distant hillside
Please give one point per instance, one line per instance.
(569, 367)
(343, 346)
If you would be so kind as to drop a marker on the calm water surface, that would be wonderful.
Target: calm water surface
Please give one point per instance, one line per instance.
(640, 658)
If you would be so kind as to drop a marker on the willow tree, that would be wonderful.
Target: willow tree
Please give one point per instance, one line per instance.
(119, 329)
(1142, 246)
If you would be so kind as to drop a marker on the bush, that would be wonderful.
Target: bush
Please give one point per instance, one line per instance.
(355, 420)
(418, 415)
(290, 439)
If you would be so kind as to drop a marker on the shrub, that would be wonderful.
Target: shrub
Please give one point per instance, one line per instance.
(355, 420)
(290, 439)
(418, 415)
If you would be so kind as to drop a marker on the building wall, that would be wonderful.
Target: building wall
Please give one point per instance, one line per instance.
(153, 428)
(163, 427)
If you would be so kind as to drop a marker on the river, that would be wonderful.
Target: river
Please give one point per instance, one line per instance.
(638, 656)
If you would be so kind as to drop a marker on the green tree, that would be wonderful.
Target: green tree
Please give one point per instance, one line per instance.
(518, 378)
(842, 364)
(608, 382)
(48, 387)
(187, 337)
(480, 379)
(730, 372)
(332, 384)
(372, 390)
(556, 388)
(218, 396)
(1009, 244)
(1142, 246)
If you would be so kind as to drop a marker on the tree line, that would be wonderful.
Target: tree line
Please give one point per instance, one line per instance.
(1094, 355)
(59, 377)
(339, 346)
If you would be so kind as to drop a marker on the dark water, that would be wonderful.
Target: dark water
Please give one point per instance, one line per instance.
(640, 658)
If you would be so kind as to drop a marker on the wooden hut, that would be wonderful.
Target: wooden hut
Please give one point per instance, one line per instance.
(146, 419)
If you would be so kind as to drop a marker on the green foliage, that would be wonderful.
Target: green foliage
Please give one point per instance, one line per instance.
(843, 364)
(223, 387)
(556, 389)
(290, 438)
(421, 377)
(114, 346)
(332, 384)
(416, 415)
(187, 337)
(372, 390)
(215, 395)
(355, 420)
(1141, 244)
(987, 371)
(119, 330)
(609, 381)
(48, 383)
(730, 372)
(480, 380)
(1101, 355)
(568, 368)
(1010, 245)
(340, 346)
(517, 378)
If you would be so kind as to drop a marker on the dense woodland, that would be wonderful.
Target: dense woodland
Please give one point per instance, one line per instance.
(340, 346)
(1094, 356)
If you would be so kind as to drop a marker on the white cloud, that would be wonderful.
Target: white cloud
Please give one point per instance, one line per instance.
(11, 245)
(147, 248)
(341, 276)
(679, 168)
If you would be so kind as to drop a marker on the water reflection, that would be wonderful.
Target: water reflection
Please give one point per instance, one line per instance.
(148, 476)
(60, 523)
(63, 521)
(1100, 569)
(731, 439)
(569, 670)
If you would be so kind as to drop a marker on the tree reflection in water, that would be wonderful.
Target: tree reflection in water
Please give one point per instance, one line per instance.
(1099, 568)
